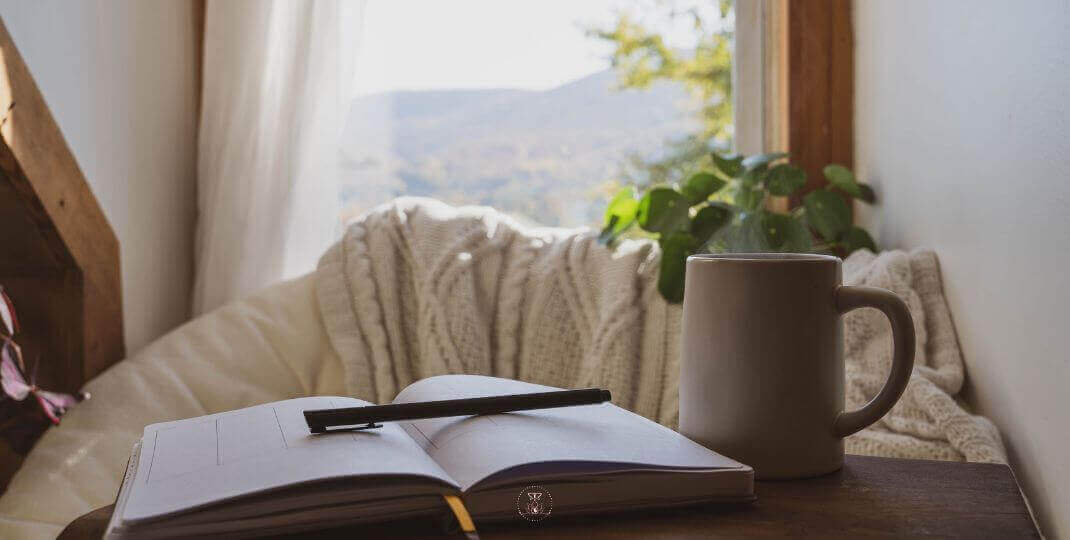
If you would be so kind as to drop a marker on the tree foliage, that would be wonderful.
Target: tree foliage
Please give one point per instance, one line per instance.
(642, 57)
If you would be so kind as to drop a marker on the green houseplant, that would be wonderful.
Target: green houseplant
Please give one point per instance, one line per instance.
(726, 209)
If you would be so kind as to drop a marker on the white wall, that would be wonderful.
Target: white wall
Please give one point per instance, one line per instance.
(121, 80)
(963, 124)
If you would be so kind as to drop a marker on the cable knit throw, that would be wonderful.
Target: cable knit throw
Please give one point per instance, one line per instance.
(418, 288)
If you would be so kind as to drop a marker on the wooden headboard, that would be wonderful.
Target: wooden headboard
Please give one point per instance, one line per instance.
(59, 258)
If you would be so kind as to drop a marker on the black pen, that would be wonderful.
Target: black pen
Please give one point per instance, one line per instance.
(367, 417)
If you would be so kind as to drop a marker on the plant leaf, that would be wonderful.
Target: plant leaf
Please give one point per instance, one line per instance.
(729, 165)
(857, 238)
(664, 210)
(674, 251)
(753, 176)
(749, 198)
(784, 233)
(828, 213)
(620, 214)
(700, 186)
(708, 221)
(842, 177)
(762, 159)
(866, 193)
(623, 206)
(607, 236)
(784, 179)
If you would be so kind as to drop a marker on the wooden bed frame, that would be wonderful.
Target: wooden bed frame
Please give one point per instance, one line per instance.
(59, 258)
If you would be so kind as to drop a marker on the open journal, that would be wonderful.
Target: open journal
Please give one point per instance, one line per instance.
(258, 470)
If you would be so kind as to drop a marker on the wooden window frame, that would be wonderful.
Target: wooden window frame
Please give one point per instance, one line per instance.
(794, 82)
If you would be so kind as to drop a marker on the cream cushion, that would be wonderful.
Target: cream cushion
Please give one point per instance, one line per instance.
(268, 347)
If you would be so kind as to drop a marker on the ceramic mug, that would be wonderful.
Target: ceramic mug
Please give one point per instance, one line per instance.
(762, 372)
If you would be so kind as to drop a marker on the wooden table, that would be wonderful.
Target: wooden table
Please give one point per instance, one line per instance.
(868, 497)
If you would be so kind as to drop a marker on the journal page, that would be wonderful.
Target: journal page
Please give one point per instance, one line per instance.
(197, 461)
(593, 438)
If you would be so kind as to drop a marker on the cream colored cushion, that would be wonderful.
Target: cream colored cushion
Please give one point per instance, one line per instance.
(268, 347)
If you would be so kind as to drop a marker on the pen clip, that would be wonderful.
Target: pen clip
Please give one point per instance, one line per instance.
(322, 429)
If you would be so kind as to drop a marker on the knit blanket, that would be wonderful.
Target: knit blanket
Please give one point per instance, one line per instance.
(417, 288)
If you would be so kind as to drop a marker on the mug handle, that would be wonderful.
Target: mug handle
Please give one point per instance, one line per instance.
(893, 307)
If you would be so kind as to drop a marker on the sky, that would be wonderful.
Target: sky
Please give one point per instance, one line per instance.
(527, 44)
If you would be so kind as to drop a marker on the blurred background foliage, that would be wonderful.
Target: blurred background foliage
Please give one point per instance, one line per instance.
(641, 58)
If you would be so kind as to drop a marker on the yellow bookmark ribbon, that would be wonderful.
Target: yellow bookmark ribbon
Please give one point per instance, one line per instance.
(463, 518)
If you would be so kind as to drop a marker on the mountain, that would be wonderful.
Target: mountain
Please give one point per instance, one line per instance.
(539, 155)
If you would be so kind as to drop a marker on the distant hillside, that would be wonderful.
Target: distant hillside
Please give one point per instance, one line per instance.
(539, 155)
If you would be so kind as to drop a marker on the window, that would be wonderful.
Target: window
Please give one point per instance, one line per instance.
(538, 108)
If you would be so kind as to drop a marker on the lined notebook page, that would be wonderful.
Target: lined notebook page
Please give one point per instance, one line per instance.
(200, 460)
(473, 448)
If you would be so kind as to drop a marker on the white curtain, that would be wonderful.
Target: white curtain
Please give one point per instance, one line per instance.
(277, 79)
